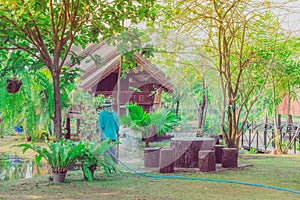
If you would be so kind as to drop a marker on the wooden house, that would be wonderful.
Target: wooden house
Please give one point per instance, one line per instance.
(294, 109)
(101, 64)
(142, 86)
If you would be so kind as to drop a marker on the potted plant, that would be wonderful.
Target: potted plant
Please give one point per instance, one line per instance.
(95, 155)
(13, 84)
(12, 68)
(157, 122)
(160, 121)
(59, 155)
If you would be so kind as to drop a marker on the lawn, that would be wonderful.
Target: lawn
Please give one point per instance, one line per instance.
(277, 171)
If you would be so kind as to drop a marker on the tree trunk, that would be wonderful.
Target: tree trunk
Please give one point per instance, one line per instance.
(177, 104)
(289, 116)
(202, 110)
(276, 131)
(147, 142)
(57, 119)
(205, 108)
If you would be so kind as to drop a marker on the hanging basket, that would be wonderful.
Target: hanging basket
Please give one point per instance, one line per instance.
(13, 85)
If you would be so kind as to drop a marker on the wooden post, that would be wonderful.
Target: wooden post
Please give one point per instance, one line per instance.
(78, 127)
(151, 157)
(229, 157)
(207, 160)
(218, 153)
(166, 161)
(68, 129)
(216, 137)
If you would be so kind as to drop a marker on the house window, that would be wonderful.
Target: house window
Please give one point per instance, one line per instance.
(141, 98)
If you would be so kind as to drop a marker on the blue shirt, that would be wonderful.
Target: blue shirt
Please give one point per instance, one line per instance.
(108, 122)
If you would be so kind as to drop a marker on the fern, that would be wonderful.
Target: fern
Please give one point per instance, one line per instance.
(59, 155)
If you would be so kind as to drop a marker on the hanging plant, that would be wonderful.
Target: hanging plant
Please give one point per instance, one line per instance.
(13, 66)
(13, 85)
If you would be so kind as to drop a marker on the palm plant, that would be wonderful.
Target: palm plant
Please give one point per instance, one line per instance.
(95, 155)
(158, 122)
(59, 155)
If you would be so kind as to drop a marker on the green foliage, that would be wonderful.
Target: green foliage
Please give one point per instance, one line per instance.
(89, 107)
(164, 121)
(129, 42)
(13, 107)
(161, 121)
(15, 63)
(48, 29)
(212, 123)
(138, 116)
(279, 50)
(252, 151)
(285, 146)
(59, 155)
(33, 105)
(162, 144)
(95, 154)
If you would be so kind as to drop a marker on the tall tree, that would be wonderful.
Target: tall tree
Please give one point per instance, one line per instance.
(47, 29)
(229, 32)
(284, 80)
(183, 63)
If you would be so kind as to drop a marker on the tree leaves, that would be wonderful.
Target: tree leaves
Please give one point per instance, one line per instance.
(48, 29)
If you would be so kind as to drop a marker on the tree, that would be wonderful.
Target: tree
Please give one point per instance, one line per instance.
(47, 29)
(159, 122)
(284, 80)
(182, 63)
(228, 32)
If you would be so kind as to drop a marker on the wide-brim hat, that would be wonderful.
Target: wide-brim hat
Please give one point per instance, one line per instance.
(107, 103)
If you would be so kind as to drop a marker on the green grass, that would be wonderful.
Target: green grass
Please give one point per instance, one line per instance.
(279, 171)
(164, 143)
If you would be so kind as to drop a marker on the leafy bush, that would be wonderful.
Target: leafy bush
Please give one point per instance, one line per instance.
(160, 121)
(94, 155)
(252, 151)
(59, 155)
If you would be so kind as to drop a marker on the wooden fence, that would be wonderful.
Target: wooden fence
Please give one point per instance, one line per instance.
(263, 137)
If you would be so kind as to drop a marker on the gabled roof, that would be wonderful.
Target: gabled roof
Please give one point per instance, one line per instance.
(110, 62)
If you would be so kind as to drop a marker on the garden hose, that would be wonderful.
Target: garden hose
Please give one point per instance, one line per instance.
(203, 179)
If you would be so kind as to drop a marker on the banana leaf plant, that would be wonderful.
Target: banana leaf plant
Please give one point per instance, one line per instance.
(59, 155)
(95, 156)
(160, 121)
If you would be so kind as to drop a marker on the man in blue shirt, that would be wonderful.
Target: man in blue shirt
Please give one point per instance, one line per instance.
(109, 124)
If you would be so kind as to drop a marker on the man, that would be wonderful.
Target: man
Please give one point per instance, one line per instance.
(109, 124)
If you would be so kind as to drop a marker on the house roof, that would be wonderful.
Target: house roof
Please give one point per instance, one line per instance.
(100, 60)
(294, 107)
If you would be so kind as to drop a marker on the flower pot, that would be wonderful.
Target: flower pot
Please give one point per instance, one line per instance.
(59, 177)
(13, 85)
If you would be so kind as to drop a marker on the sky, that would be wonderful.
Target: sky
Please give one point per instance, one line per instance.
(291, 17)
